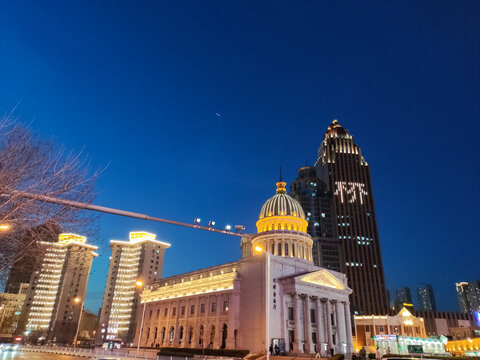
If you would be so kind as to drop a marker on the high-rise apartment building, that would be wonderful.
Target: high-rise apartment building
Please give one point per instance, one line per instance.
(315, 199)
(27, 259)
(468, 295)
(10, 310)
(426, 299)
(55, 298)
(133, 264)
(346, 172)
(403, 298)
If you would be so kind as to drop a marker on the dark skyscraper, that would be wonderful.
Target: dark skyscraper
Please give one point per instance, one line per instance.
(426, 300)
(468, 295)
(345, 171)
(403, 298)
(312, 194)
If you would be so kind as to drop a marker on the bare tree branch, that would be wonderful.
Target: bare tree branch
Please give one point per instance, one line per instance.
(30, 164)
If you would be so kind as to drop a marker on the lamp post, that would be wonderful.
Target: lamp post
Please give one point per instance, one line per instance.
(139, 283)
(77, 300)
(267, 299)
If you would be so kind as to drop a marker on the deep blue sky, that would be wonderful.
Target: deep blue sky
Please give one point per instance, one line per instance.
(138, 85)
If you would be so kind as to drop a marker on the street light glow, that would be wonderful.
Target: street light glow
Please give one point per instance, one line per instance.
(77, 299)
(258, 249)
(138, 283)
(4, 227)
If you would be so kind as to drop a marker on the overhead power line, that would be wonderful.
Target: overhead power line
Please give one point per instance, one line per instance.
(108, 210)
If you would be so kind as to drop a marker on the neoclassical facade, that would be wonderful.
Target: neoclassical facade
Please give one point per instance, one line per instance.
(224, 306)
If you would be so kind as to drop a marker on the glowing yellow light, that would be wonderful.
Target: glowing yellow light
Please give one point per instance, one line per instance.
(138, 283)
(68, 238)
(77, 299)
(258, 249)
(4, 227)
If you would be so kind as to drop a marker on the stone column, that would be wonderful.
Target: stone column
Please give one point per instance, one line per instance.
(307, 325)
(348, 326)
(320, 324)
(184, 324)
(218, 333)
(341, 332)
(328, 321)
(206, 325)
(297, 344)
(177, 327)
(232, 306)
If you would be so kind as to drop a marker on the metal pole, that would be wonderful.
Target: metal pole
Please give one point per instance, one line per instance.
(104, 209)
(78, 326)
(141, 327)
(267, 309)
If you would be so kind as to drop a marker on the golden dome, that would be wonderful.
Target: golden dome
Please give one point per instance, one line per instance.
(281, 204)
(281, 212)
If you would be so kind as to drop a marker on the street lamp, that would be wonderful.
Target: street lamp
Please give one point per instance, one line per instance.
(267, 298)
(77, 300)
(4, 227)
(139, 284)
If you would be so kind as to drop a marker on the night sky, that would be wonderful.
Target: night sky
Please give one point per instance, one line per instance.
(138, 86)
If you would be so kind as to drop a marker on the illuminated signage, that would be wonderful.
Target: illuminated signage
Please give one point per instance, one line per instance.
(350, 191)
(477, 317)
(385, 338)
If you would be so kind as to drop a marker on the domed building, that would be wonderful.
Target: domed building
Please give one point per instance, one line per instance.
(281, 227)
(225, 306)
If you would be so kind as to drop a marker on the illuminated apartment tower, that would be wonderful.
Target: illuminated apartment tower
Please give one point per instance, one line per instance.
(345, 171)
(57, 291)
(133, 264)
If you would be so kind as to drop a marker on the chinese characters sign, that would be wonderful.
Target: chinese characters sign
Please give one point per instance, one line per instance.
(350, 191)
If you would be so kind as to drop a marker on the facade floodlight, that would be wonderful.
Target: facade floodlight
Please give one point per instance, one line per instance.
(239, 228)
(196, 221)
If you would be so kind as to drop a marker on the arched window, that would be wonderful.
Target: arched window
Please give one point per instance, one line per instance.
(190, 334)
(200, 335)
(212, 335)
(279, 249)
(172, 334)
(155, 334)
(224, 336)
(148, 333)
(180, 336)
(293, 250)
(163, 334)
